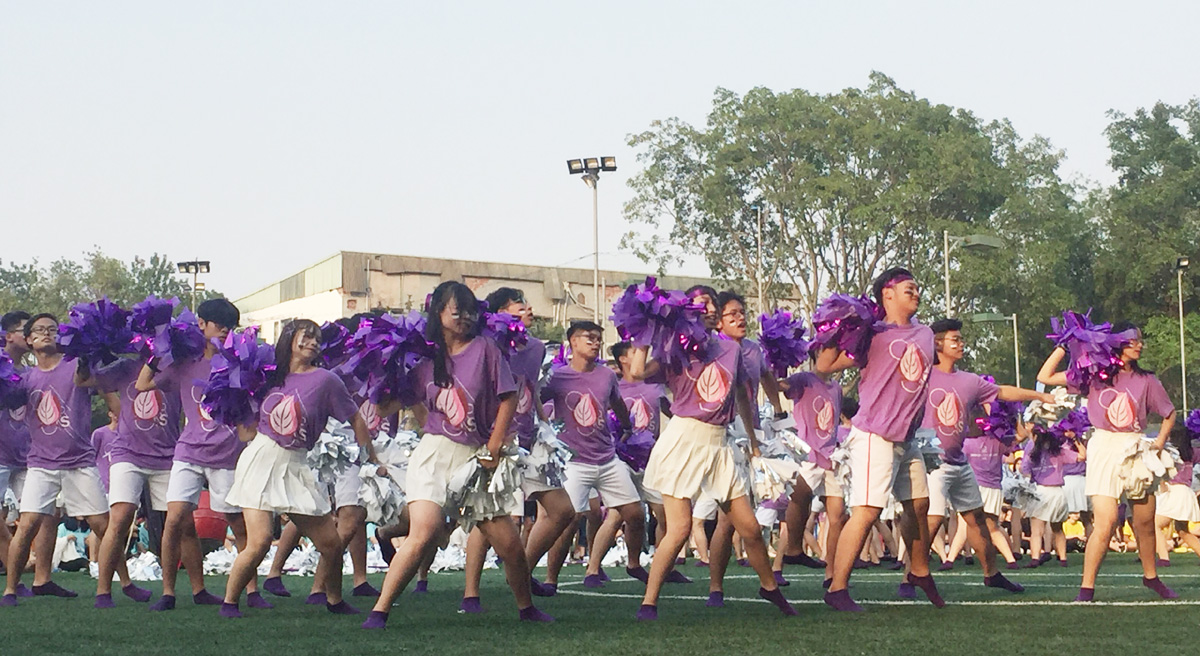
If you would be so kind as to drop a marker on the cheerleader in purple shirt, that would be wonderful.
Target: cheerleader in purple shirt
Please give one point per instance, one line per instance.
(1044, 464)
(1176, 505)
(1117, 410)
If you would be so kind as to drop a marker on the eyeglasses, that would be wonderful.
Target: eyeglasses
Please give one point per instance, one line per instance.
(735, 314)
(954, 340)
(590, 338)
(43, 330)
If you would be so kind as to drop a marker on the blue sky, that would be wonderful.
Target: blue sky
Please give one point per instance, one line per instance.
(264, 136)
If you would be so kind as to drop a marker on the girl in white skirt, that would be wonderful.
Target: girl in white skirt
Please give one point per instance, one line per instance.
(1176, 502)
(467, 395)
(272, 474)
(1044, 465)
(1117, 410)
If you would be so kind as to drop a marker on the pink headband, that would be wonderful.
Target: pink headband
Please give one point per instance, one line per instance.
(897, 280)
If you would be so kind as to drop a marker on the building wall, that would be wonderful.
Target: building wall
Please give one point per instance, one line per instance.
(321, 307)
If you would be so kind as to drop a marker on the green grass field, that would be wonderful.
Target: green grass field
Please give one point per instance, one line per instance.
(1126, 619)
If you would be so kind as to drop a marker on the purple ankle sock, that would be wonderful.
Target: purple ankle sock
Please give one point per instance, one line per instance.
(638, 573)
(23, 591)
(365, 589)
(316, 599)
(1162, 562)
(929, 588)
(470, 605)
(1062, 562)
(593, 581)
(603, 575)
(256, 600)
(342, 608)
(997, 580)
(8, 600)
(841, 601)
(538, 590)
(230, 611)
(780, 581)
(826, 583)
(275, 586)
(716, 599)
(421, 587)
(776, 597)
(140, 595)
(165, 602)
(647, 613)
(104, 601)
(206, 598)
(676, 576)
(532, 614)
(1085, 594)
(906, 590)
(1012, 565)
(376, 620)
(52, 589)
(1157, 585)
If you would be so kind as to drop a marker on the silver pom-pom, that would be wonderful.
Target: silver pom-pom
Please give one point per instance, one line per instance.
(479, 494)
(772, 478)
(1047, 414)
(546, 460)
(1144, 468)
(927, 442)
(334, 451)
(380, 495)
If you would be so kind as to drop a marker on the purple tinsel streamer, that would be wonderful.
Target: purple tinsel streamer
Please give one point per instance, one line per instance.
(1001, 422)
(96, 332)
(12, 393)
(666, 321)
(1094, 351)
(178, 340)
(238, 381)
(635, 451)
(1192, 424)
(147, 318)
(383, 352)
(1075, 421)
(335, 344)
(782, 340)
(506, 329)
(847, 323)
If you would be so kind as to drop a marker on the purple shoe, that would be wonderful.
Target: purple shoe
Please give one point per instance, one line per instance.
(1085, 595)
(386, 550)
(776, 597)
(376, 620)
(743, 562)
(698, 563)
(1013, 565)
(164, 603)
(946, 566)
(841, 601)
(206, 598)
(23, 591)
(1063, 563)
(470, 605)
(893, 566)
(780, 581)
(342, 608)
(317, 599)
(997, 580)
(716, 599)
(647, 613)
(906, 591)
(1046, 557)
(604, 575)
(140, 595)
(421, 587)
(230, 611)
(275, 586)
(539, 590)
(638, 573)
(676, 576)
(52, 589)
(8, 600)
(929, 588)
(256, 600)
(826, 583)
(1162, 562)
(680, 561)
(532, 614)
(1158, 586)
(593, 581)
(104, 601)
(1033, 563)
(364, 589)
(804, 560)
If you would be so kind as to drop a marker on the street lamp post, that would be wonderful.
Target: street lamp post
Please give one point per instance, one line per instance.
(590, 168)
(977, 242)
(195, 268)
(1181, 265)
(989, 317)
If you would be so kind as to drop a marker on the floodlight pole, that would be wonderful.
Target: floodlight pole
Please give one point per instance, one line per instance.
(592, 179)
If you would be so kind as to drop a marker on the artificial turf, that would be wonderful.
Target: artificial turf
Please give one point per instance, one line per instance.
(1128, 619)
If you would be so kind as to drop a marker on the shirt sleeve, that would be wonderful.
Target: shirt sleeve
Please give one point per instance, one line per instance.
(986, 392)
(503, 380)
(110, 378)
(1026, 463)
(167, 380)
(1157, 400)
(341, 404)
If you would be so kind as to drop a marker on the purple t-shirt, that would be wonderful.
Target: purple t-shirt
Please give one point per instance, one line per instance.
(644, 401)
(466, 411)
(14, 436)
(951, 399)
(202, 442)
(526, 365)
(1122, 407)
(892, 387)
(295, 413)
(1079, 468)
(986, 455)
(817, 409)
(1048, 470)
(59, 416)
(706, 389)
(582, 399)
(756, 364)
(148, 426)
(103, 441)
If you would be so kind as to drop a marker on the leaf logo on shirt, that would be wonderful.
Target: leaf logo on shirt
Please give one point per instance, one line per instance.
(640, 414)
(204, 413)
(146, 405)
(912, 364)
(285, 418)
(49, 409)
(713, 384)
(525, 399)
(1120, 412)
(370, 415)
(947, 411)
(586, 412)
(17, 414)
(450, 403)
(824, 416)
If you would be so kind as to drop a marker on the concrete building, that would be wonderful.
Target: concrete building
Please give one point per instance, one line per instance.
(347, 283)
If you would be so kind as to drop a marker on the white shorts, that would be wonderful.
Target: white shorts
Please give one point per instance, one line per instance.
(705, 508)
(832, 487)
(12, 478)
(1177, 502)
(648, 495)
(1051, 505)
(814, 477)
(993, 500)
(345, 489)
(953, 488)
(188, 480)
(126, 482)
(612, 480)
(532, 486)
(81, 489)
(766, 516)
(1075, 486)
(879, 468)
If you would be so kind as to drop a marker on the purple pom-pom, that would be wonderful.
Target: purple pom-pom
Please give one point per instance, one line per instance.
(1192, 424)
(1093, 350)
(783, 342)
(666, 321)
(383, 352)
(147, 317)
(238, 381)
(1075, 422)
(96, 333)
(507, 330)
(12, 393)
(1001, 422)
(847, 323)
(335, 344)
(635, 451)
(179, 340)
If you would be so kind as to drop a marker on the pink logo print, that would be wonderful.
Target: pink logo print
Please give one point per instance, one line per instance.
(948, 414)
(713, 384)
(912, 364)
(146, 405)
(586, 413)
(450, 403)
(524, 400)
(285, 418)
(370, 415)
(49, 409)
(1120, 412)
(824, 415)
(640, 414)
(204, 413)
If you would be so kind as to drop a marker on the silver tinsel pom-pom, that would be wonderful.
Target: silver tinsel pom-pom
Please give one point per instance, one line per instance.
(334, 451)
(546, 460)
(772, 478)
(479, 494)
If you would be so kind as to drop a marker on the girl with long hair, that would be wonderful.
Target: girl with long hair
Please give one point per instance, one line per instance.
(1175, 502)
(1044, 463)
